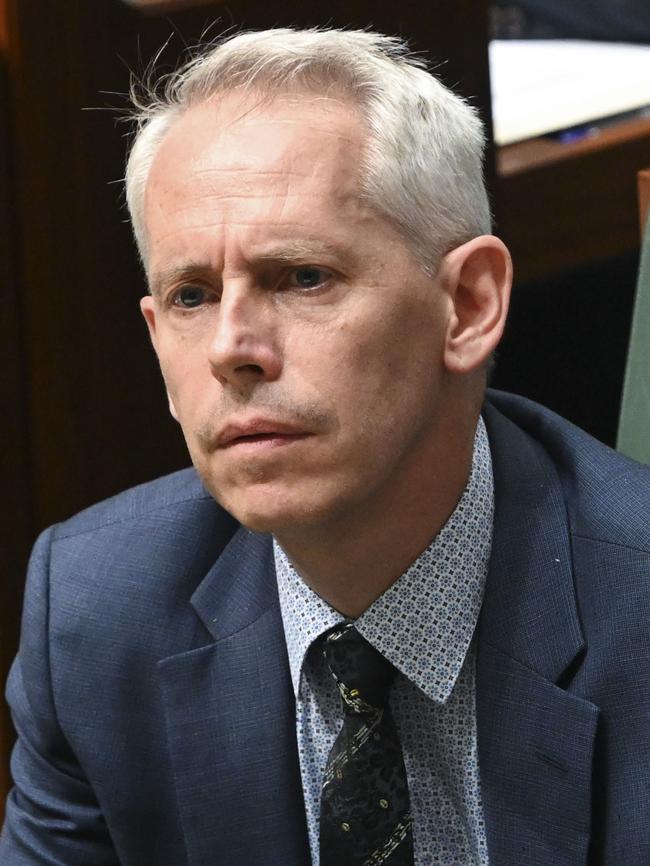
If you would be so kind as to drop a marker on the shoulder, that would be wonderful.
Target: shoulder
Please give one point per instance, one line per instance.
(144, 551)
(589, 509)
(175, 492)
(173, 511)
(172, 519)
(607, 495)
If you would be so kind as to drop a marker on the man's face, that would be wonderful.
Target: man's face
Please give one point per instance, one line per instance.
(300, 342)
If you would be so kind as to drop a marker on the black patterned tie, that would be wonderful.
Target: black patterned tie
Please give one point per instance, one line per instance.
(365, 818)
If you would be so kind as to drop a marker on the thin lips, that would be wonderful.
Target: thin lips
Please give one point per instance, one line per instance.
(258, 427)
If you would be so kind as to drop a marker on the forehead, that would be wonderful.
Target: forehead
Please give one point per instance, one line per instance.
(233, 148)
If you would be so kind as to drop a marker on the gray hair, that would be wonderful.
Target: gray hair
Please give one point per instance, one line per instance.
(422, 166)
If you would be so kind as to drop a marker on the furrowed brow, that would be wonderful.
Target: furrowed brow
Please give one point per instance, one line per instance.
(285, 253)
(176, 274)
(308, 251)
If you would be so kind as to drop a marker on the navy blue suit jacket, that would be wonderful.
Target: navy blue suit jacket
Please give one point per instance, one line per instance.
(153, 702)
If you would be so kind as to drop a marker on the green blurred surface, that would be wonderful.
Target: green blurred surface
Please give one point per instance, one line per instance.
(634, 425)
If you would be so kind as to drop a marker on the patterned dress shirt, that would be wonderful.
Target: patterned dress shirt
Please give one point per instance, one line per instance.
(424, 624)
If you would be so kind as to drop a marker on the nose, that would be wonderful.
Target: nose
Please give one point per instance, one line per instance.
(244, 346)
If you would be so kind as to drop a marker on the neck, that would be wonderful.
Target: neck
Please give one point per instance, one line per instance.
(356, 556)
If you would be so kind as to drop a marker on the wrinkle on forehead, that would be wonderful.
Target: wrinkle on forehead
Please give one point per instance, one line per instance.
(222, 133)
(221, 171)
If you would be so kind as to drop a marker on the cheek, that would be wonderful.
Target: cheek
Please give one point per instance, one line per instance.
(396, 351)
(181, 368)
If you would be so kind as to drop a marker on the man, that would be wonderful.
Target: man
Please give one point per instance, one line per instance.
(470, 576)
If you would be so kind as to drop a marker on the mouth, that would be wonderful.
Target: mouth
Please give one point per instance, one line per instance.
(259, 434)
(261, 440)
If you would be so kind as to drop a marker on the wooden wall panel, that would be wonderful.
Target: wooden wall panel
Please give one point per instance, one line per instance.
(643, 183)
(95, 413)
(15, 521)
(570, 206)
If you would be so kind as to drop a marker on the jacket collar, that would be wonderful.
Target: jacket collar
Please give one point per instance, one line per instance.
(240, 587)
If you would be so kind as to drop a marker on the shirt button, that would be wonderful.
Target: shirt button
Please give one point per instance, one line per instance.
(383, 803)
(345, 827)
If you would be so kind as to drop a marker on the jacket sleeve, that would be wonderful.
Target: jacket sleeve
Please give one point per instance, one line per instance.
(52, 815)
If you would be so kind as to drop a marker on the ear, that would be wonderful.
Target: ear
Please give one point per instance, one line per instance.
(477, 277)
(148, 308)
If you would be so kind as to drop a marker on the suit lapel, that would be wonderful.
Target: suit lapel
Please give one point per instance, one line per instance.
(535, 750)
(535, 739)
(230, 718)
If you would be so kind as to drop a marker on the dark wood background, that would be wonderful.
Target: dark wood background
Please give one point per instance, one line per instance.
(85, 414)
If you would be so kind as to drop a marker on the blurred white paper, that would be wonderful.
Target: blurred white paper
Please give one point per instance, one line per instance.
(541, 86)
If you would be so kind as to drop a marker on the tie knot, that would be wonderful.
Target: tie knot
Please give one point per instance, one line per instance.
(361, 672)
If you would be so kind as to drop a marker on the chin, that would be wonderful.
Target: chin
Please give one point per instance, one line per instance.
(279, 503)
(266, 510)
(276, 521)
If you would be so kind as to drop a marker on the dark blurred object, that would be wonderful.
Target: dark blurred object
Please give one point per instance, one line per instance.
(566, 342)
(162, 6)
(607, 20)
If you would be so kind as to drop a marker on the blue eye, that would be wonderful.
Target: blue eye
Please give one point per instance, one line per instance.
(189, 297)
(308, 277)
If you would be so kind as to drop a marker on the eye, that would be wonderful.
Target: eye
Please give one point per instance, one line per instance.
(308, 277)
(189, 297)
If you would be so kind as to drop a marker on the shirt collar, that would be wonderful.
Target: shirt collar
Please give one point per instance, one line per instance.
(425, 620)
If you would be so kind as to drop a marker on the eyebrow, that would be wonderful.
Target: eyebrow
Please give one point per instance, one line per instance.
(176, 274)
(289, 252)
(292, 251)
